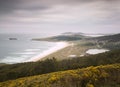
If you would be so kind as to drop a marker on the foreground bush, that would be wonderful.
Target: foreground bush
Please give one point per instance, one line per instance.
(100, 76)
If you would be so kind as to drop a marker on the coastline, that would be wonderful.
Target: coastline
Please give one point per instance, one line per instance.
(59, 46)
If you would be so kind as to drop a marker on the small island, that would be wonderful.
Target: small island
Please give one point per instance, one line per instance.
(12, 38)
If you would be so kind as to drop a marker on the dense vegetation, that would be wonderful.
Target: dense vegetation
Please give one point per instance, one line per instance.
(110, 38)
(62, 38)
(15, 71)
(110, 42)
(100, 76)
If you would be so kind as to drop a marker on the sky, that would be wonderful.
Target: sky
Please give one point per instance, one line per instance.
(58, 16)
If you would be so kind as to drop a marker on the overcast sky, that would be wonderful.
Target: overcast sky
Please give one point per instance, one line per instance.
(57, 16)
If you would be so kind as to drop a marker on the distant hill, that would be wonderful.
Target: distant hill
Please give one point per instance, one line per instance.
(72, 33)
(85, 34)
(109, 38)
(63, 37)
(72, 36)
(109, 42)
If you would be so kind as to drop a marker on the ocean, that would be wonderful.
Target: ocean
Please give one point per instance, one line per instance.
(22, 49)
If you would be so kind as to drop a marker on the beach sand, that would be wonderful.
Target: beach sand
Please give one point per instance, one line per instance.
(59, 46)
(63, 50)
(74, 48)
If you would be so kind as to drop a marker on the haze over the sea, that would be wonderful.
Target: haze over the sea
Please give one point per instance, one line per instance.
(58, 16)
(23, 48)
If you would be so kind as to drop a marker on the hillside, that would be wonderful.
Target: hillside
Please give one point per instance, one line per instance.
(109, 38)
(73, 36)
(110, 42)
(100, 76)
(63, 37)
(15, 71)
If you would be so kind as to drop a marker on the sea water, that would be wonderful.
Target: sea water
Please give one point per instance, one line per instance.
(23, 48)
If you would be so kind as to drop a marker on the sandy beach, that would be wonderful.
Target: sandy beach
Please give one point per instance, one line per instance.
(71, 48)
(59, 46)
(63, 50)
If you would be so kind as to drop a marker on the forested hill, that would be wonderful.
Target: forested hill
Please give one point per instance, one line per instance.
(110, 38)
(69, 36)
(63, 37)
(109, 42)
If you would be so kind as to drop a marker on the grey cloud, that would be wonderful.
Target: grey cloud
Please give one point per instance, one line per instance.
(7, 5)
(10, 5)
(74, 12)
(40, 4)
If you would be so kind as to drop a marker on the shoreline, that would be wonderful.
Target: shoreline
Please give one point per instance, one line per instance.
(59, 46)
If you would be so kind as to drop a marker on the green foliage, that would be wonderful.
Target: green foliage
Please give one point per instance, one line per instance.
(89, 43)
(111, 45)
(110, 38)
(100, 76)
(62, 38)
(110, 42)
